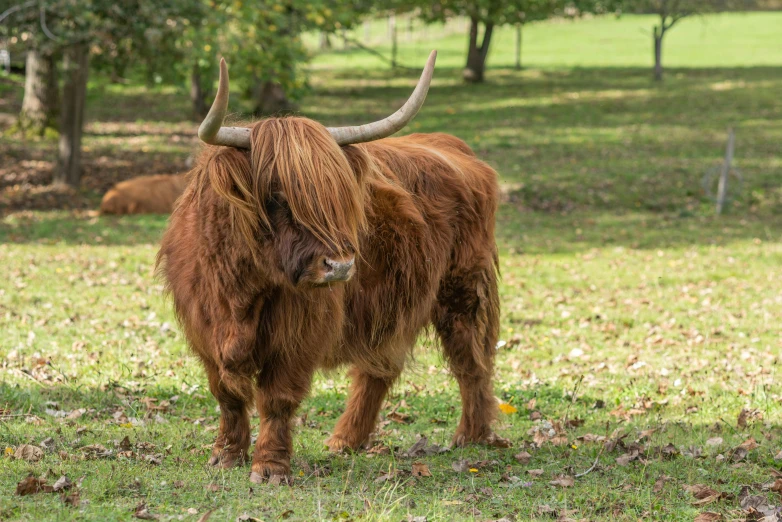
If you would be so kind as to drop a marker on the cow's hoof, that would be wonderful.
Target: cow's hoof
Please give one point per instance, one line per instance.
(337, 444)
(492, 439)
(272, 472)
(222, 458)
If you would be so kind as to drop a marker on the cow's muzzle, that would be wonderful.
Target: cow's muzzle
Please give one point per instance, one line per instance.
(337, 270)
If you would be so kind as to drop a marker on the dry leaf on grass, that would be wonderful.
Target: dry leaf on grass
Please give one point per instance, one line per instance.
(29, 453)
(739, 454)
(421, 470)
(704, 494)
(700, 491)
(749, 444)
(563, 481)
(714, 441)
(659, 484)
(523, 457)
(460, 466)
(645, 434)
(746, 415)
(535, 472)
(708, 516)
(62, 484)
(73, 499)
(143, 513)
(32, 485)
(421, 448)
(627, 458)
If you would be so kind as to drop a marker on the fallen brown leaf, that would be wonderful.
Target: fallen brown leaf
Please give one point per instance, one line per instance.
(62, 484)
(29, 453)
(627, 458)
(73, 499)
(535, 472)
(421, 470)
(700, 491)
(523, 457)
(143, 513)
(124, 444)
(708, 516)
(460, 466)
(205, 516)
(746, 415)
(32, 485)
(749, 444)
(659, 484)
(564, 481)
(739, 454)
(645, 434)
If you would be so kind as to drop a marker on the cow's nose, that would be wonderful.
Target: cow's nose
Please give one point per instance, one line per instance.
(338, 269)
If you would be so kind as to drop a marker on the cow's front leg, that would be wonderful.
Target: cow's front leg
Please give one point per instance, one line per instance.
(279, 393)
(233, 438)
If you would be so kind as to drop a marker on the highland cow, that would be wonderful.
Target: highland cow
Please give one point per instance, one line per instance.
(144, 195)
(297, 248)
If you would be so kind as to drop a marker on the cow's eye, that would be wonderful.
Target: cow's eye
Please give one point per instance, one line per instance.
(277, 208)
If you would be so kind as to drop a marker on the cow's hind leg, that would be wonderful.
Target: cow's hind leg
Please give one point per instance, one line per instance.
(233, 438)
(467, 321)
(358, 422)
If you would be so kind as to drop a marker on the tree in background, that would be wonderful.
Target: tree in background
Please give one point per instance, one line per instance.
(262, 43)
(486, 15)
(77, 30)
(40, 102)
(40, 105)
(670, 12)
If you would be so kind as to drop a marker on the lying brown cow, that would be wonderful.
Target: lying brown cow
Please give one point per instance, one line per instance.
(298, 247)
(144, 195)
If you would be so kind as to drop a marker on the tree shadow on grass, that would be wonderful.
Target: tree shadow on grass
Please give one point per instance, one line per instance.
(81, 228)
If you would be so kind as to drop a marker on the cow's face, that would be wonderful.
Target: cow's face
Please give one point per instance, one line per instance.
(298, 197)
(303, 259)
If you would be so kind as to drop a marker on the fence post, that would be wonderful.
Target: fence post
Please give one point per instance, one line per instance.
(722, 189)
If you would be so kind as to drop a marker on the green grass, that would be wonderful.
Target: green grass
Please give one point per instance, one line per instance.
(626, 303)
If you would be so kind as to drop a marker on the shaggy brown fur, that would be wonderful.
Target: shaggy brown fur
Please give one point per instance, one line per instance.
(244, 249)
(144, 195)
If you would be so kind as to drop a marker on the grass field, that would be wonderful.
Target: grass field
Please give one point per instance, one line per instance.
(640, 330)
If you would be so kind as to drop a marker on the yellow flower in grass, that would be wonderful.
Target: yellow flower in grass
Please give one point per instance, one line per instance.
(507, 408)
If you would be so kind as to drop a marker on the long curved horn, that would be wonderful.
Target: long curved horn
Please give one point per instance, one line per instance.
(394, 123)
(211, 130)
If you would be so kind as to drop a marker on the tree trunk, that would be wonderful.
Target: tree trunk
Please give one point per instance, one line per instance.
(658, 53)
(197, 94)
(325, 42)
(39, 106)
(76, 68)
(476, 56)
(518, 47)
(394, 47)
(271, 99)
